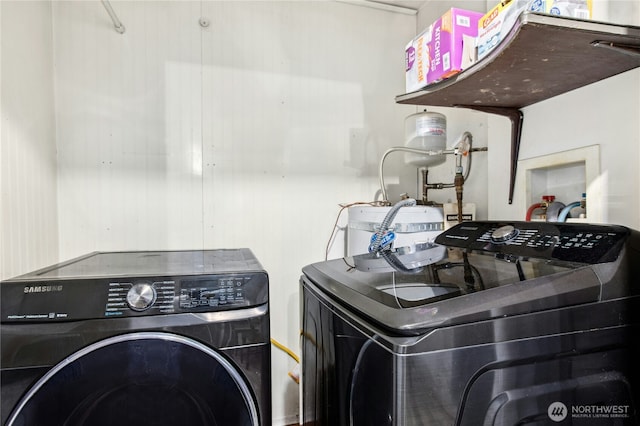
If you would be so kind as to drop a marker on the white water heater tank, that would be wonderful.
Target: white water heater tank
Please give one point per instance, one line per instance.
(416, 224)
(427, 131)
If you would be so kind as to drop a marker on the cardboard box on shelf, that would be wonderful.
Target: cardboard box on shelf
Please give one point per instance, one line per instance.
(496, 24)
(415, 69)
(581, 9)
(442, 50)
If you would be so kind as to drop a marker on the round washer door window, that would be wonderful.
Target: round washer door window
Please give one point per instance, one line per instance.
(158, 379)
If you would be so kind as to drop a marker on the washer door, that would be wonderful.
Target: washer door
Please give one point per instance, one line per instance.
(140, 379)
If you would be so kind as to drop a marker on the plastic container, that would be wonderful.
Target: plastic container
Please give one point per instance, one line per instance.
(412, 225)
(427, 131)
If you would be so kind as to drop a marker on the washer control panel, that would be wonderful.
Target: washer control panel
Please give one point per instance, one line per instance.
(205, 294)
(572, 242)
(132, 297)
(197, 294)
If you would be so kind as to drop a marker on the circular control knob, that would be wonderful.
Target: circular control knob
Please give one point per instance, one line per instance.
(141, 296)
(504, 234)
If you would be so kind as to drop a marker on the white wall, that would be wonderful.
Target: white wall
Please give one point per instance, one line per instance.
(246, 133)
(28, 214)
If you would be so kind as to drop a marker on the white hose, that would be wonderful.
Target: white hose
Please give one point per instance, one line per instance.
(114, 18)
(465, 136)
(404, 149)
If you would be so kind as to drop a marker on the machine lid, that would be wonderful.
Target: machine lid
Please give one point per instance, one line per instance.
(485, 274)
(149, 263)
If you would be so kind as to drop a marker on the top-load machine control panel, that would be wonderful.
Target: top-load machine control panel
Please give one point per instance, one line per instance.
(566, 242)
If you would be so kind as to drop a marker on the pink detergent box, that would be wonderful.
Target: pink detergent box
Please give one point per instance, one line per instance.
(443, 49)
(452, 43)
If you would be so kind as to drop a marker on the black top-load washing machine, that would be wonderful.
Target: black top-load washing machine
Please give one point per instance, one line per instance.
(138, 338)
(497, 323)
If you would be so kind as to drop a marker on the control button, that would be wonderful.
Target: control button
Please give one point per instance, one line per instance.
(504, 234)
(141, 296)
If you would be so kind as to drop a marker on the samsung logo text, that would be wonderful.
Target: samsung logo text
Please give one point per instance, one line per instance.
(42, 289)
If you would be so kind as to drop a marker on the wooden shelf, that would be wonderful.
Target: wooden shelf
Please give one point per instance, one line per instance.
(542, 56)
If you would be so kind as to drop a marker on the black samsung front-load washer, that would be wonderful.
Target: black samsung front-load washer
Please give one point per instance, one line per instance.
(521, 323)
(138, 338)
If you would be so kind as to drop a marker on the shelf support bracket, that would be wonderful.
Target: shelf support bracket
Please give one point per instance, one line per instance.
(516, 117)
